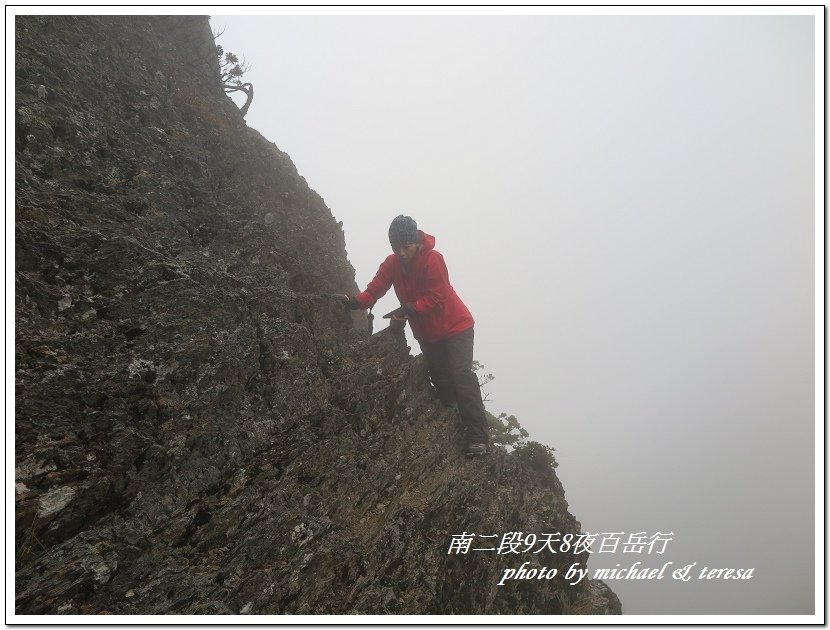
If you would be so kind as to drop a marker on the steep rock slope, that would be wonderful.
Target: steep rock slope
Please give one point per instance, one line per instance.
(198, 427)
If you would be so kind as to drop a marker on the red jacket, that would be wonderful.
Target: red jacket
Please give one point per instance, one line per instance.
(425, 284)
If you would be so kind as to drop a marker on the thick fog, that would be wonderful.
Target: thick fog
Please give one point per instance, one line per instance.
(627, 204)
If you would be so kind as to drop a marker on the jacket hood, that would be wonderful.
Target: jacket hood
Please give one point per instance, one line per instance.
(427, 240)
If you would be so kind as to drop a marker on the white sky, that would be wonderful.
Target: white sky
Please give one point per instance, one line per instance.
(627, 205)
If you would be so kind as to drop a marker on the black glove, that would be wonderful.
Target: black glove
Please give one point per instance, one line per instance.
(344, 299)
(351, 302)
(402, 312)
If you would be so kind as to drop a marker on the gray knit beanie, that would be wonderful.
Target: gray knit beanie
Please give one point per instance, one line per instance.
(403, 231)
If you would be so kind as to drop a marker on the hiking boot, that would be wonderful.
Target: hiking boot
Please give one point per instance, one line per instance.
(477, 448)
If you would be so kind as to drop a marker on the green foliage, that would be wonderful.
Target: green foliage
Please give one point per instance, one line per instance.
(505, 430)
(484, 378)
(537, 455)
(231, 69)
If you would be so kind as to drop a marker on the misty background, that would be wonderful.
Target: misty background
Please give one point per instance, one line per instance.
(627, 206)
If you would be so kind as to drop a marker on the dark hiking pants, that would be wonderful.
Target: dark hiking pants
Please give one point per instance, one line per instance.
(450, 363)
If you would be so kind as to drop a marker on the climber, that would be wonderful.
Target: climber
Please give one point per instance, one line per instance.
(440, 322)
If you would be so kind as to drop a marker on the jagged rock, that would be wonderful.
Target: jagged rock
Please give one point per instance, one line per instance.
(199, 427)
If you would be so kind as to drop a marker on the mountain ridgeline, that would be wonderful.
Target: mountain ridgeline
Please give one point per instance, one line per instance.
(199, 428)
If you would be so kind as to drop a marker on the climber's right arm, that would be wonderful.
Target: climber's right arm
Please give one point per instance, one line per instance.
(379, 285)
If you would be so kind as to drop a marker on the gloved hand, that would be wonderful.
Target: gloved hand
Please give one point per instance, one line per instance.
(349, 301)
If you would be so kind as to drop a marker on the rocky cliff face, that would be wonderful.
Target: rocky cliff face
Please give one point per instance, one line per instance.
(198, 428)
